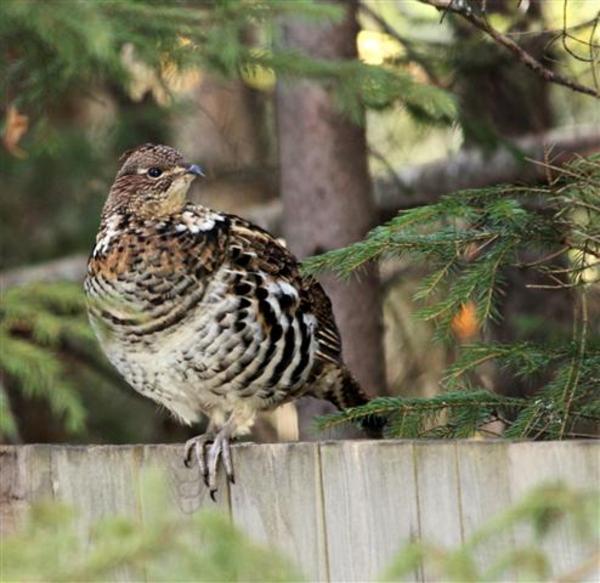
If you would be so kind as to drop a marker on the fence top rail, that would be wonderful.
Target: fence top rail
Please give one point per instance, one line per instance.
(325, 442)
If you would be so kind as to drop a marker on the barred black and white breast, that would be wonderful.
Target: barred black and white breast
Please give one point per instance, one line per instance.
(204, 312)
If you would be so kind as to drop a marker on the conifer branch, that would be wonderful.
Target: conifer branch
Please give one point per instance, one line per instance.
(469, 239)
(581, 322)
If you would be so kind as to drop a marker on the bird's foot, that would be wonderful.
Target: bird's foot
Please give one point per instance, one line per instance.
(219, 449)
(208, 461)
(195, 448)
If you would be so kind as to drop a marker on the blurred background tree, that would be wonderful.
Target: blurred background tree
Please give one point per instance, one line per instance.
(436, 106)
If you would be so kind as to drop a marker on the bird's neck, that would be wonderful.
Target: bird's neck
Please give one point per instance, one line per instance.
(142, 206)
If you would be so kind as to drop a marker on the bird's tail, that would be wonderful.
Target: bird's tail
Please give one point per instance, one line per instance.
(337, 385)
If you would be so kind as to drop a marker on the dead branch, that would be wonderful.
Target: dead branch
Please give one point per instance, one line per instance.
(425, 183)
(70, 268)
(464, 10)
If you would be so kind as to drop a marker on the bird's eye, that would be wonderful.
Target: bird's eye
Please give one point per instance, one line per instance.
(154, 172)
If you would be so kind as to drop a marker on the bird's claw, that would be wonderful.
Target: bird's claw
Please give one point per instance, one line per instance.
(219, 449)
(208, 461)
(195, 447)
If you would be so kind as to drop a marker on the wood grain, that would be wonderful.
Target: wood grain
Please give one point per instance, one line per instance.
(574, 463)
(340, 511)
(24, 478)
(277, 501)
(370, 500)
(186, 492)
(439, 497)
(98, 482)
(483, 471)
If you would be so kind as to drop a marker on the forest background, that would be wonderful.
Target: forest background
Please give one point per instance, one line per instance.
(319, 121)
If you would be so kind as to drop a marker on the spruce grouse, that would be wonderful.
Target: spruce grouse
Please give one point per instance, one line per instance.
(204, 312)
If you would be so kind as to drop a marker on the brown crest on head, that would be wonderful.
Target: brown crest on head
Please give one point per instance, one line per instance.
(153, 181)
(128, 153)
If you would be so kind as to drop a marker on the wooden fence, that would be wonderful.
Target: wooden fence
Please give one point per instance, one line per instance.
(340, 510)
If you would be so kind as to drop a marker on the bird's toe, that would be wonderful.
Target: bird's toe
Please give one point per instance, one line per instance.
(195, 448)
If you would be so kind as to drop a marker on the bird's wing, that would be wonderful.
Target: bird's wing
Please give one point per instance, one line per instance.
(257, 250)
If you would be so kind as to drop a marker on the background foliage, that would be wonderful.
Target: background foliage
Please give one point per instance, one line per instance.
(83, 81)
(166, 548)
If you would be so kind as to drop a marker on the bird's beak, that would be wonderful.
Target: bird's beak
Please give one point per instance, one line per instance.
(195, 170)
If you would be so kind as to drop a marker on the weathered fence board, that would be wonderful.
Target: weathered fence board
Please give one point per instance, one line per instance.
(439, 497)
(340, 510)
(280, 501)
(484, 492)
(24, 477)
(363, 538)
(187, 493)
(574, 463)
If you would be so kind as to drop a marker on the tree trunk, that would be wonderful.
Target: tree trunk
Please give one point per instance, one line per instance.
(228, 137)
(326, 188)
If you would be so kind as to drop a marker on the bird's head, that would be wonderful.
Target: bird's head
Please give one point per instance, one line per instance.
(153, 181)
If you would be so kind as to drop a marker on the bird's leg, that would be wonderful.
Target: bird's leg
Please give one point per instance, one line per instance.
(220, 449)
(196, 447)
(238, 423)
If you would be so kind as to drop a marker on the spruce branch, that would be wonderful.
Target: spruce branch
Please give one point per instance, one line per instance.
(581, 329)
(469, 239)
(416, 417)
(39, 325)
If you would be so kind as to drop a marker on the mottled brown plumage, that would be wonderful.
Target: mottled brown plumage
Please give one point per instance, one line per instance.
(204, 312)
